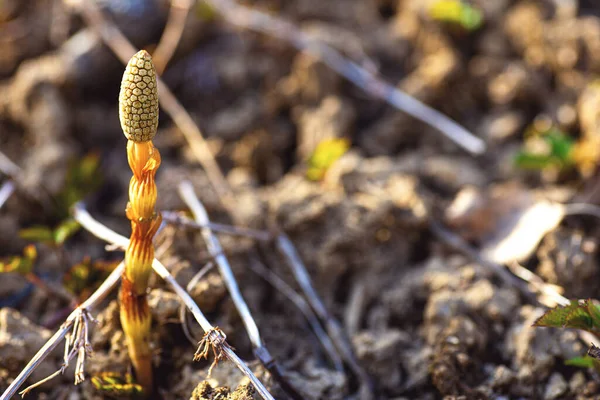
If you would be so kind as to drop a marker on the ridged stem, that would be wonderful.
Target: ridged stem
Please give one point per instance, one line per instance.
(144, 160)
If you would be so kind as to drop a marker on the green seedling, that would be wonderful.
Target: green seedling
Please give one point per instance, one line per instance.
(205, 12)
(557, 151)
(580, 314)
(53, 237)
(458, 13)
(83, 177)
(22, 265)
(84, 278)
(117, 386)
(326, 153)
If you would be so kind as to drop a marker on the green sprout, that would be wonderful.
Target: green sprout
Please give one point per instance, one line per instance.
(326, 153)
(84, 278)
(458, 13)
(83, 177)
(580, 314)
(116, 386)
(557, 151)
(20, 264)
(53, 237)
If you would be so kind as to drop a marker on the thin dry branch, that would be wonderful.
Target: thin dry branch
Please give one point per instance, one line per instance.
(257, 267)
(190, 286)
(75, 316)
(171, 36)
(6, 191)
(335, 331)
(186, 192)
(212, 334)
(8, 167)
(360, 76)
(178, 219)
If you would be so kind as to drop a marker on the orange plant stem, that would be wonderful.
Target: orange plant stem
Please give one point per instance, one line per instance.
(138, 103)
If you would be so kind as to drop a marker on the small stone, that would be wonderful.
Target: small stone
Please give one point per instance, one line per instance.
(557, 386)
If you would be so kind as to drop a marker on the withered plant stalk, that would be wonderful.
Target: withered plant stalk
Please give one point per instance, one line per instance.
(138, 112)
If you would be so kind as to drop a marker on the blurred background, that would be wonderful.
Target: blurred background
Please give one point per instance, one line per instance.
(403, 223)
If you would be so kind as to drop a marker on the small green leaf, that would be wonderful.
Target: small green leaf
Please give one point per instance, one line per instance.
(575, 315)
(594, 311)
(526, 160)
(65, 230)
(456, 12)
(579, 318)
(559, 151)
(41, 234)
(326, 153)
(583, 362)
(20, 265)
(114, 384)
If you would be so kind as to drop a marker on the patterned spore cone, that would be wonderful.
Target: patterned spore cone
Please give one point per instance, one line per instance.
(138, 99)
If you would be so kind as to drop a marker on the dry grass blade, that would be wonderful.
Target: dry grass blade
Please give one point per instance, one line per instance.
(214, 247)
(74, 318)
(8, 167)
(172, 34)
(335, 331)
(177, 219)
(186, 192)
(190, 286)
(268, 275)
(6, 191)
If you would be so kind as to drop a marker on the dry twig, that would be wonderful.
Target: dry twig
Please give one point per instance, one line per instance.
(6, 191)
(175, 218)
(186, 192)
(172, 34)
(335, 331)
(257, 267)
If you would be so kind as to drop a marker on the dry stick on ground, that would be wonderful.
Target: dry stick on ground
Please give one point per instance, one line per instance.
(172, 33)
(6, 191)
(182, 311)
(13, 171)
(8, 167)
(335, 331)
(121, 46)
(186, 191)
(177, 219)
(258, 268)
(86, 307)
(248, 18)
(214, 338)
